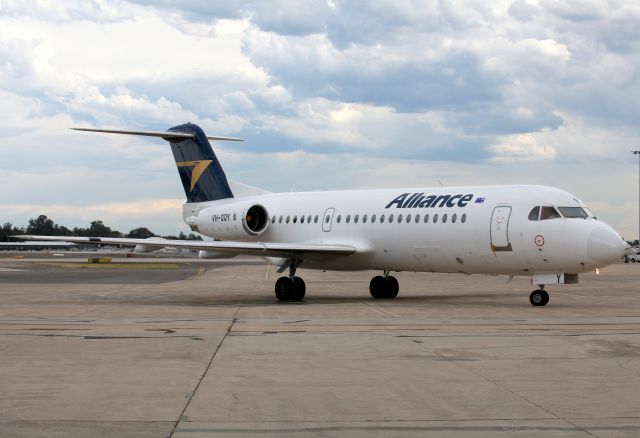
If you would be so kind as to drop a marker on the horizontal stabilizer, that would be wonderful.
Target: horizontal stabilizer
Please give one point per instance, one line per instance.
(167, 135)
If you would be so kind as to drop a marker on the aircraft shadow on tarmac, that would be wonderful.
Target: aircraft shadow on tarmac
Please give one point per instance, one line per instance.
(260, 299)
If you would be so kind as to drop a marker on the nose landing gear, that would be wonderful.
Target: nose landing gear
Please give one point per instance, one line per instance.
(539, 297)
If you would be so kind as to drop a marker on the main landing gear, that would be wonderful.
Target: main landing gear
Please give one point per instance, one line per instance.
(384, 287)
(539, 297)
(291, 288)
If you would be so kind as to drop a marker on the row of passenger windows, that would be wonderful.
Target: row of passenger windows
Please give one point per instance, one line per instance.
(365, 218)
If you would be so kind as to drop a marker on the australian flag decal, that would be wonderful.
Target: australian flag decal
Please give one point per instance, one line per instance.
(479, 200)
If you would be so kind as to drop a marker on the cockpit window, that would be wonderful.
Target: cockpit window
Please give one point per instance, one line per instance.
(548, 212)
(534, 214)
(573, 212)
(589, 213)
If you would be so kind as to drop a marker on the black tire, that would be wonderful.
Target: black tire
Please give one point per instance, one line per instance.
(284, 288)
(299, 289)
(377, 287)
(539, 298)
(546, 298)
(391, 291)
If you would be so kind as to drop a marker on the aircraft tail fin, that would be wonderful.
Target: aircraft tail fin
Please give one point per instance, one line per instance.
(200, 171)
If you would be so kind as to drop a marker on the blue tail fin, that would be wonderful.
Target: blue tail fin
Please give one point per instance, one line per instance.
(200, 171)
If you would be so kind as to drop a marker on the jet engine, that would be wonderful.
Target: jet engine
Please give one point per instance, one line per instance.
(232, 221)
(215, 255)
(144, 248)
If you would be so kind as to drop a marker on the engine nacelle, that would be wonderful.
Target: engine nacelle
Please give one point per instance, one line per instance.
(233, 221)
(144, 248)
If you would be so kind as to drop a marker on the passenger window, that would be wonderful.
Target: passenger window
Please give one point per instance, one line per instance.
(302, 219)
(309, 219)
(234, 216)
(339, 218)
(326, 219)
(417, 218)
(463, 219)
(390, 218)
(373, 219)
(295, 219)
(454, 217)
(426, 218)
(399, 218)
(273, 220)
(348, 218)
(382, 218)
(364, 219)
(444, 218)
(288, 219)
(408, 218)
(355, 219)
(435, 218)
(548, 212)
(534, 214)
(280, 220)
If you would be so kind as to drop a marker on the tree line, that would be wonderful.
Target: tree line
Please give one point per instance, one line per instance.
(43, 226)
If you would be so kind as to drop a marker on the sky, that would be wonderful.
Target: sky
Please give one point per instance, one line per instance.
(327, 95)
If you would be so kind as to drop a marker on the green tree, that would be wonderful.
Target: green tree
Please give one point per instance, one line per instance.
(99, 229)
(140, 233)
(41, 225)
(9, 230)
(96, 229)
(44, 226)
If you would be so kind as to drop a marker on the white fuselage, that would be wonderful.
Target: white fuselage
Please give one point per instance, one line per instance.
(468, 229)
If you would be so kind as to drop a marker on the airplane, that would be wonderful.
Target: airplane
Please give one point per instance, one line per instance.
(540, 232)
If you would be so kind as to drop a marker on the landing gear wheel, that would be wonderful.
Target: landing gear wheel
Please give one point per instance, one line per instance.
(287, 290)
(299, 289)
(384, 288)
(377, 287)
(284, 288)
(539, 298)
(392, 287)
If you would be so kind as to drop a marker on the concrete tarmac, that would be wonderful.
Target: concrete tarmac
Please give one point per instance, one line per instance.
(204, 349)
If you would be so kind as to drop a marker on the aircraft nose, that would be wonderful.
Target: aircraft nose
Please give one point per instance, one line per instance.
(604, 245)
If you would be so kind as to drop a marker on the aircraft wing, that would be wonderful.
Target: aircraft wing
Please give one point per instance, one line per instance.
(266, 249)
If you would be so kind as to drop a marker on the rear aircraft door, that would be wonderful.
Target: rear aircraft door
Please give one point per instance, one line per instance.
(499, 231)
(327, 220)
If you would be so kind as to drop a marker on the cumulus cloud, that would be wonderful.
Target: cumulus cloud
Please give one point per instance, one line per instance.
(522, 147)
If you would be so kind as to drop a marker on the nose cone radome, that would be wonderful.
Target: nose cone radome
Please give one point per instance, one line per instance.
(605, 246)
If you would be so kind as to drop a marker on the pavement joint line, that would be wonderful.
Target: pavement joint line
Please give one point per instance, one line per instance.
(520, 396)
(411, 420)
(215, 352)
(206, 370)
(417, 428)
